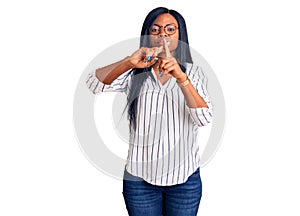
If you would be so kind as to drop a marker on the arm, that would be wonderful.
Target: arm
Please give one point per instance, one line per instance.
(109, 73)
(192, 97)
(198, 103)
(199, 106)
(113, 77)
(170, 65)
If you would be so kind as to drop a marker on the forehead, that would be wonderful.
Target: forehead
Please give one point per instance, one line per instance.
(165, 19)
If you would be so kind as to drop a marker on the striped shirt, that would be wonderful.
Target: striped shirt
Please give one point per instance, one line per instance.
(164, 149)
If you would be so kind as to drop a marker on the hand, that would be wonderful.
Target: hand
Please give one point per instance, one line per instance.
(171, 66)
(144, 57)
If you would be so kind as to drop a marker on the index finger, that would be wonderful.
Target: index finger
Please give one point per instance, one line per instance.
(167, 50)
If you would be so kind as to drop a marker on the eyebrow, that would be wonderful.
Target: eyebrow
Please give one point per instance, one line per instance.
(165, 25)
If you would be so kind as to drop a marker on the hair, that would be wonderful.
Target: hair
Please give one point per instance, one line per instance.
(182, 54)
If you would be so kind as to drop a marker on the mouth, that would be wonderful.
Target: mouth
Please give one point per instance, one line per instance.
(161, 42)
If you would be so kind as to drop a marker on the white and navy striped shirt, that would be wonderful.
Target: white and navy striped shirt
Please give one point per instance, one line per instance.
(163, 150)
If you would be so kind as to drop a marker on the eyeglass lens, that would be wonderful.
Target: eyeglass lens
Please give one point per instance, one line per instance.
(169, 29)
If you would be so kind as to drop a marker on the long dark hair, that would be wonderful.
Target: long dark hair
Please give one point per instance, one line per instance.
(183, 54)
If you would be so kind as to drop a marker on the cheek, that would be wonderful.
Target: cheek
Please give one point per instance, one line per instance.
(174, 41)
(152, 43)
(174, 45)
(153, 40)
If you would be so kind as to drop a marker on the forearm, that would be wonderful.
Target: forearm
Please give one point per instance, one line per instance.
(192, 97)
(110, 72)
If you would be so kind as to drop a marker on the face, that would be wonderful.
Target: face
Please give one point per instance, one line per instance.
(165, 26)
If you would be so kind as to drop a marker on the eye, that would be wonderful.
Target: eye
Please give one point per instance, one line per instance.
(171, 29)
(154, 29)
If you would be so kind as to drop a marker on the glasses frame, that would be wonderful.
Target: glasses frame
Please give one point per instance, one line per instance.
(164, 27)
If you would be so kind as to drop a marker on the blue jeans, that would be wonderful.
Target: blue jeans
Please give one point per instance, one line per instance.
(144, 199)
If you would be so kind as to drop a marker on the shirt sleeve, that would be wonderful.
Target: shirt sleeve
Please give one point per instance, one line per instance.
(200, 116)
(118, 85)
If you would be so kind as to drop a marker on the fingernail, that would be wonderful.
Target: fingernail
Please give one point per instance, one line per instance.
(160, 73)
(156, 59)
(149, 58)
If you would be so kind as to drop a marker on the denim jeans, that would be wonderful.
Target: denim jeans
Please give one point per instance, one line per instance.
(144, 199)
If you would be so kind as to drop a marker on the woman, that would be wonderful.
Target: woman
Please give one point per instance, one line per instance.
(167, 101)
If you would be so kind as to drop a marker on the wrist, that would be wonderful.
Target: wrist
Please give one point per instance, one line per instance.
(184, 81)
(128, 62)
(182, 78)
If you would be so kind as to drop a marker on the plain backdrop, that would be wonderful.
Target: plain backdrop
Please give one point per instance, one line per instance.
(253, 48)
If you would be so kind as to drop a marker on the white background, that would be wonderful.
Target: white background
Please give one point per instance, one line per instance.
(253, 47)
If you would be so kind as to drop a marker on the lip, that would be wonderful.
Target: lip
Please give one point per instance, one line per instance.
(160, 42)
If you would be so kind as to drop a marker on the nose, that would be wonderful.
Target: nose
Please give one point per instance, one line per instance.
(162, 33)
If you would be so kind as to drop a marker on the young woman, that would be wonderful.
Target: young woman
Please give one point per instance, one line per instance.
(167, 102)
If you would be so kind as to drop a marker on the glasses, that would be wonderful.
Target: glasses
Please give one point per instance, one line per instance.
(169, 29)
